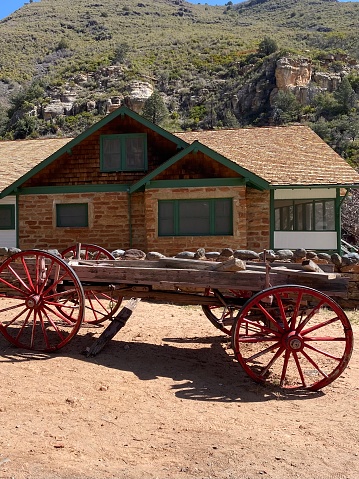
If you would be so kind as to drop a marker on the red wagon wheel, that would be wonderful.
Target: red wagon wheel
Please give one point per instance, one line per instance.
(40, 290)
(222, 317)
(292, 336)
(99, 305)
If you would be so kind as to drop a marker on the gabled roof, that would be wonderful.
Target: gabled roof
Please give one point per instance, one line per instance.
(290, 155)
(19, 157)
(193, 148)
(51, 153)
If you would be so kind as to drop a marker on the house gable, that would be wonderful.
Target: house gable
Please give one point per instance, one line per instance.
(204, 164)
(79, 161)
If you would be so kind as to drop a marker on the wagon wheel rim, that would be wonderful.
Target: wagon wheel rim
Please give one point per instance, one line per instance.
(294, 337)
(99, 305)
(38, 286)
(88, 251)
(223, 317)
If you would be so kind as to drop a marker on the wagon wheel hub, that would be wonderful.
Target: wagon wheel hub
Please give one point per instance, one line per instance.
(294, 341)
(33, 301)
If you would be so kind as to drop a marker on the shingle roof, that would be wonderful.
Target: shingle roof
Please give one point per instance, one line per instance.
(19, 157)
(292, 155)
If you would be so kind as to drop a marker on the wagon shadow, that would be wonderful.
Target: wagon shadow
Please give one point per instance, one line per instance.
(199, 373)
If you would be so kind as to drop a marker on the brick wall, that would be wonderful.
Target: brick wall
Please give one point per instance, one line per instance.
(108, 221)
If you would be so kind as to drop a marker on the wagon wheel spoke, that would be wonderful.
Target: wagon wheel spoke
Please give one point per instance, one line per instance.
(314, 339)
(32, 317)
(96, 302)
(223, 316)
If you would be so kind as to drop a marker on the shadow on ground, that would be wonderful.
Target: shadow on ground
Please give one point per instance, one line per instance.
(201, 373)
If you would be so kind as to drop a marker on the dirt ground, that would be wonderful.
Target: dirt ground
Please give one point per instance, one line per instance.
(165, 399)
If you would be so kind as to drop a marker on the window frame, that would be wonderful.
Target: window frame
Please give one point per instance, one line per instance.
(58, 206)
(12, 226)
(122, 160)
(212, 217)
(305, 218)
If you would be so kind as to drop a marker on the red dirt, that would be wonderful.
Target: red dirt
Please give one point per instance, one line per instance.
(165, 399)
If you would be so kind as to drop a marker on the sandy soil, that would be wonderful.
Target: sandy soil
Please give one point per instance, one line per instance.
(165, 399)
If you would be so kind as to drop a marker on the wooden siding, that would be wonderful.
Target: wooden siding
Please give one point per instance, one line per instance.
(82, 166)
(196, 166)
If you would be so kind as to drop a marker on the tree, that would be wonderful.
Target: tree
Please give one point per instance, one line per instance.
(345, 96)
(121, 52)
(267, 46)
(350, 217)
(286, 107)
(155, 109)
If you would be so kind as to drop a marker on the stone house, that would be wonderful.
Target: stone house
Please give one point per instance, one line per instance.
(126, 182)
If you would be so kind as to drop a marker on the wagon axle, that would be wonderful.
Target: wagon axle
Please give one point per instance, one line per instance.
(291, 335)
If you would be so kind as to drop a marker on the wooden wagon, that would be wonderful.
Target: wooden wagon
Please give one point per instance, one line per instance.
(282, 329)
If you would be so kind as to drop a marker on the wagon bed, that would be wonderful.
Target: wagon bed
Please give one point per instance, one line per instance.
(282, 319)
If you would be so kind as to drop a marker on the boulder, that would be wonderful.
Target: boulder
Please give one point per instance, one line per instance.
(134, 254)
(336, 260)
(350, 258)
(154, 255)
(185, 255)
(284, 254)
(200, 254)
(212, 255)
(245, 254)
(118, 253)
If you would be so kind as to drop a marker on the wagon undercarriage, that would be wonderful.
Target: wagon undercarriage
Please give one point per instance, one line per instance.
(288, 334)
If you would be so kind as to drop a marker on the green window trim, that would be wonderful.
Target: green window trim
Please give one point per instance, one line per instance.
(7, 217)
(305, 215)
(120, 157)
(72, 215)
(173, 221)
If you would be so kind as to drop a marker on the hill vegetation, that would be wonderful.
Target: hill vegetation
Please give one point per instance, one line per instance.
(209, 67)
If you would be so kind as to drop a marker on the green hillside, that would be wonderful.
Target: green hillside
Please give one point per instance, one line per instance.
(210, 67)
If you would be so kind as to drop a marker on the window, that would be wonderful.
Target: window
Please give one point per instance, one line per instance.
(195, 217)
(7, 217)
(304, 215)
(72, 215)
(124, 152)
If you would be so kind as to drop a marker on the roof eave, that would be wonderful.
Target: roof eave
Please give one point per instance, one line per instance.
(71, 144)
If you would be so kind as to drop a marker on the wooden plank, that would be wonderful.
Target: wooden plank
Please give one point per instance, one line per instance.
(310, 265)
(248, 280)
(118, 323)
(327, 268)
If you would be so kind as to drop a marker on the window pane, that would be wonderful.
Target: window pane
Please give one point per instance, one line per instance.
(324, 215)
(7, 217)
(223, 223)
(284, 215)
(111, 154)
(303, 215)
(72, 215)
(166, 218)
(309, 216)
(330, 215)
(287, 218)
(194, 218)
(135, 154)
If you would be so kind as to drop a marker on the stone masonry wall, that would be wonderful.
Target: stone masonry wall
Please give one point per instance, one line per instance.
(170, 245)
(258, 219)
(108, 221)
(138, 222)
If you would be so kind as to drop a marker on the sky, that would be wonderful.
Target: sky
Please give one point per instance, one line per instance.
(9, 6)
